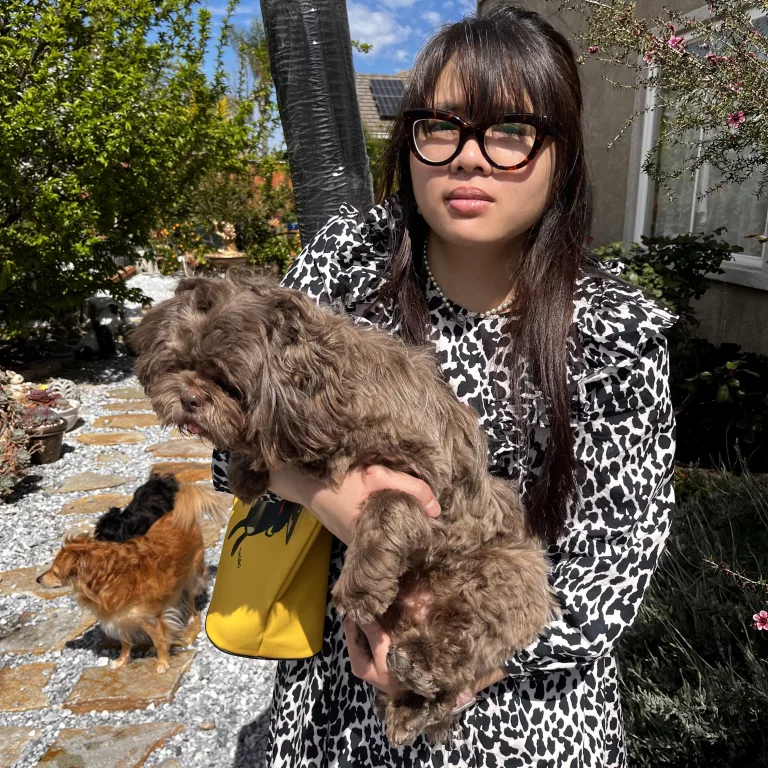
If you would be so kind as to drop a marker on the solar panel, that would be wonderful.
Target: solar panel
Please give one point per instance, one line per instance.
(387, 94)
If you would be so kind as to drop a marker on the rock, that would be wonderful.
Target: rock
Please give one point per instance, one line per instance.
(110, 458)
(126, 746)
(181, 447)
(92, 504)
(22, 582)
(127, 421)
(135, 686)
(52, 633)
(12, 743)
(90, 481)
(78, 530)
(128, 393)
(207, 725)
(130, 406)
(110, 438)
(21, 688)
(184, 471)
(211, 532)
(170, 763)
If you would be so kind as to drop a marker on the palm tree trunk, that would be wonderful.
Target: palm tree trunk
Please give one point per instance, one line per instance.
(310, 56)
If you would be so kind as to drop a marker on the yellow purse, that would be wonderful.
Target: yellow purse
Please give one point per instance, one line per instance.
(269, 597)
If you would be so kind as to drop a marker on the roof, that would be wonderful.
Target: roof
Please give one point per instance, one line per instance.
(370, 115)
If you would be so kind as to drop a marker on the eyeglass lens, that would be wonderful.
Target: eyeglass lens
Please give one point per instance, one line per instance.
(505, 143)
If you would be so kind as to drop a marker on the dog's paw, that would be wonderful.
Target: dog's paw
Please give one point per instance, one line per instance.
(360, 605)
(162, 667)
(407, 716)
(117, 663)
(409, 665)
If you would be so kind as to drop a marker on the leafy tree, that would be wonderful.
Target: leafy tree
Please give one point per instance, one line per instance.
(710, 73)
(107, 122)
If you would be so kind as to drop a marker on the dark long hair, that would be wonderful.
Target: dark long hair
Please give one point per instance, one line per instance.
(499, 59)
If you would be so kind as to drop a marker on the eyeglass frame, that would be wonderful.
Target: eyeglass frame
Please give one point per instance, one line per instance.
(477, 130)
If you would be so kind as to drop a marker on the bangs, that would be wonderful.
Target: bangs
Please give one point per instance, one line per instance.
(494, 70)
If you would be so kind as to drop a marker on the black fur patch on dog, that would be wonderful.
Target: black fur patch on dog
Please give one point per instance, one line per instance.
(150, 502)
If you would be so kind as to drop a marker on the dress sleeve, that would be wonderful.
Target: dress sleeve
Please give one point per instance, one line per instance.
(624, 440)
(314, 271)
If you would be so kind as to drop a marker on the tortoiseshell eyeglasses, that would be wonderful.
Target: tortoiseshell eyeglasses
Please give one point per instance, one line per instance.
(508, 142)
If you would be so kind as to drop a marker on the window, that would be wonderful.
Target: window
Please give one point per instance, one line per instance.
(734, 206)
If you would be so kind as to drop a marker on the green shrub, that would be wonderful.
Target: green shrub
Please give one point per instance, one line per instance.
(672, 269)
(107, 122)
(694, 668)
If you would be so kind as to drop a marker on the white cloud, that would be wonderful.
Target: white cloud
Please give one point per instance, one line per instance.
(379, 28)
(402, 55)
(397, 3)
(220, 10)
(433, 17)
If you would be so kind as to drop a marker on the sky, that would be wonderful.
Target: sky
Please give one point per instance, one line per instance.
(395, 28)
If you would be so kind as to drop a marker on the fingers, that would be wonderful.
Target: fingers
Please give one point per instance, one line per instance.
(382, 477)
(362, 665)
(379, 643)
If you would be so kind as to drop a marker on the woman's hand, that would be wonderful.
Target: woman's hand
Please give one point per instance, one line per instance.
(338, 509)
(375, 671)
(372, 670)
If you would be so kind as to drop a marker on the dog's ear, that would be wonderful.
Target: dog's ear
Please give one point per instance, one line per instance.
(201, 292)
(67, 562)
(257, 281)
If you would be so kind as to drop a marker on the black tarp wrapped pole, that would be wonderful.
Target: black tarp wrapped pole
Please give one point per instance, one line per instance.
(310, 56)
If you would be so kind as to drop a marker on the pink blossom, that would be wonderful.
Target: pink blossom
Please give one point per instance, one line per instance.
(674, 42)
(761, 620)
(672, 26)
(734, 120)
(735, 87)
(648, 57)
(593, 49)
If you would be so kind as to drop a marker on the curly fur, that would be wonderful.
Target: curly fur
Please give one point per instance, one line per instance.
(265, 372)
(149, 503)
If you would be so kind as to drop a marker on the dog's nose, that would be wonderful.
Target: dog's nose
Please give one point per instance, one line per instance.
(192, 399)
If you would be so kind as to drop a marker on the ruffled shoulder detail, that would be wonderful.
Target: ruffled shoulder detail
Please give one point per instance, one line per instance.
(365, 239)
(614, 321)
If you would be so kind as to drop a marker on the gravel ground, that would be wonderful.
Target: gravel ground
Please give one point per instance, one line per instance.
(231, 691)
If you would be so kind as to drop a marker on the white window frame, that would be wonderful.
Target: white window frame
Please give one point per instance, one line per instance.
(742, 269)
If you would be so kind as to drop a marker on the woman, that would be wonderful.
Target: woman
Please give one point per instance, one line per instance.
(564, 363)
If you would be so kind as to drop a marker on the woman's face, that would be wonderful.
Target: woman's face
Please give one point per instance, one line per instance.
(518, 197)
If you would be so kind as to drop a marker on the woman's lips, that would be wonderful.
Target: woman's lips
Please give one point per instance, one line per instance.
(468, 205)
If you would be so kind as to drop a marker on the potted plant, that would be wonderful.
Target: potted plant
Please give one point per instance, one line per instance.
(45, 429)
(66, 408)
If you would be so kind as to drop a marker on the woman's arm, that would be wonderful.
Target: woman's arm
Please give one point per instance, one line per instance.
(338, 509)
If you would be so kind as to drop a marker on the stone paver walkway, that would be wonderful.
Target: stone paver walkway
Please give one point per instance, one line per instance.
(60, 703)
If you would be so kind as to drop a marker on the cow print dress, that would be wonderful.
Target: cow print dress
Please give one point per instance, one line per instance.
(559, 705)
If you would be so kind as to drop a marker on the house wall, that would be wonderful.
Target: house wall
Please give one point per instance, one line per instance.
(727, 312)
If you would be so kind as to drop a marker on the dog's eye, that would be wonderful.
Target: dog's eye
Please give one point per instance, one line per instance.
(228, 388)
(181, 366)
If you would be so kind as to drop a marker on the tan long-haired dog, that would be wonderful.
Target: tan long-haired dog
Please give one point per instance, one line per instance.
(147, 583)
(265, 372)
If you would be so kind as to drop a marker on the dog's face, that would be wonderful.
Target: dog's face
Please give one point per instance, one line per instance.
(207, 356)
(64, 568)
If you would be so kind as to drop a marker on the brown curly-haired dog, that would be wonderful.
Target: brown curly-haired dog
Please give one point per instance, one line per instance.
(265, 372)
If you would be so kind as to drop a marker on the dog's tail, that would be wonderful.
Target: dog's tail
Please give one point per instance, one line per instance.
(193, 502)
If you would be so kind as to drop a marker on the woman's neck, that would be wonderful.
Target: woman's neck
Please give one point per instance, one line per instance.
(475, 277)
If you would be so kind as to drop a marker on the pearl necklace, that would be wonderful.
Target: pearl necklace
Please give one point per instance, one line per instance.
(490, 312)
